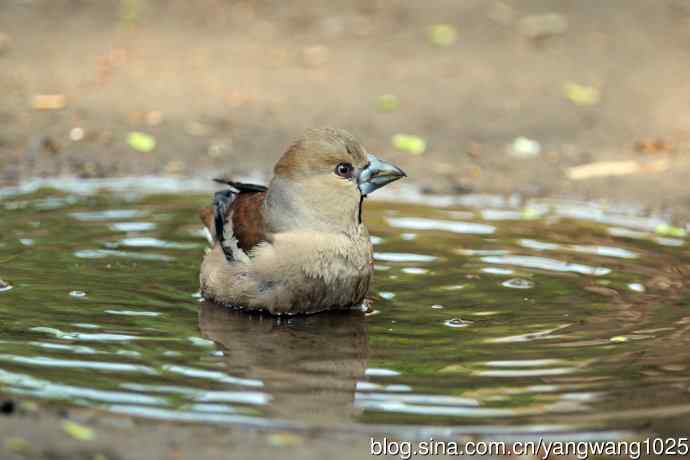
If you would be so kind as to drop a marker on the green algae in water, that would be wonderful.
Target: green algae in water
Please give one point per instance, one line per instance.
(483, 318)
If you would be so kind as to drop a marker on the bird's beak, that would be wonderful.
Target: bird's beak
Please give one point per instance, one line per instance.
(377, 174)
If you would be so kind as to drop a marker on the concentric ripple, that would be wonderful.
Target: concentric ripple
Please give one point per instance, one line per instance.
(542, 316)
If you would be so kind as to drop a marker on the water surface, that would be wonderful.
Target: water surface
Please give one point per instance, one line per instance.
(487, 316)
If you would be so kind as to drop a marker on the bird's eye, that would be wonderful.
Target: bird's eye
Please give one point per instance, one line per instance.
(344, 170)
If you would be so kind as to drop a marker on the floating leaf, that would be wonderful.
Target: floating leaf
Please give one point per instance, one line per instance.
(77, 431)
(17, 444)
(388, 103)
(409, 143)
(581, 95)
(443, 34)
(284, 439)
(530, 213)
(454, 369)
(141, 142)
(670, 230)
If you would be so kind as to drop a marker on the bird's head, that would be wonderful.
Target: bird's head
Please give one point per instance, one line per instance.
(330, 172)
(335, 159)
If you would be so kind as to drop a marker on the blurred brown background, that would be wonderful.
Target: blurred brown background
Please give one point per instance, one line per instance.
(224, 86)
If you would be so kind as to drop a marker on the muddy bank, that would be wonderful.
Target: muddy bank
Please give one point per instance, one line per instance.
(224, 87)
(41, 433)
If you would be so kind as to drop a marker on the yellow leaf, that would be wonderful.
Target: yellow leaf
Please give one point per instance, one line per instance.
(409, 143)
(454, 369)
(141, 142)
(17, 444)
(580, 94)
(530, 213)
(670, 230)
(284, 439)
(77, 431)
(48, 101)
(388, 103)
(443, 34)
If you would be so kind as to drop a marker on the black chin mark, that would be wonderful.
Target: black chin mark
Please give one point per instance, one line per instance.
(361, 202)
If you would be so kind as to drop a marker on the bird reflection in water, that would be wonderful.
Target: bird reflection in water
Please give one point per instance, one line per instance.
(310, 365)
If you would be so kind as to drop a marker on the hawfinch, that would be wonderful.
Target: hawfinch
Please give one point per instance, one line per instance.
(298, 245)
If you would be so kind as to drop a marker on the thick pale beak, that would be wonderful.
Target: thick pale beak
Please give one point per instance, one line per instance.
(377, 174)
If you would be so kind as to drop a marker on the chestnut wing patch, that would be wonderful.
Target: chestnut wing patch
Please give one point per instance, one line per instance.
(248, 220)
(235, 220)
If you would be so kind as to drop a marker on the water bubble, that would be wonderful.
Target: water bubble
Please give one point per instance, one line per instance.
(77, 294)
(76, 134)
(518, 283)
(457, 323)
(415, 270)
(637, 287)
(386, 295)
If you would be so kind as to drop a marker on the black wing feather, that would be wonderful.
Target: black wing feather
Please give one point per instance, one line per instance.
(222, 201)
(242, 187)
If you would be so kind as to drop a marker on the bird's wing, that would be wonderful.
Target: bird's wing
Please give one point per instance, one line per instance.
(235, 219)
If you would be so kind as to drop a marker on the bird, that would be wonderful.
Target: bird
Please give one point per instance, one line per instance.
(298, 245)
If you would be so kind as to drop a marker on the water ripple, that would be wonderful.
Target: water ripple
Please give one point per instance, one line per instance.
(543, 263)
(418, 223)
(66, 363)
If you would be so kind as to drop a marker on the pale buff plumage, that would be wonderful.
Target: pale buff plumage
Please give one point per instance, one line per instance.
(312, 253)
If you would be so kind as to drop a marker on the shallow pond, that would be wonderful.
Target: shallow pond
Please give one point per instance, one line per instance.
(487, 316)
